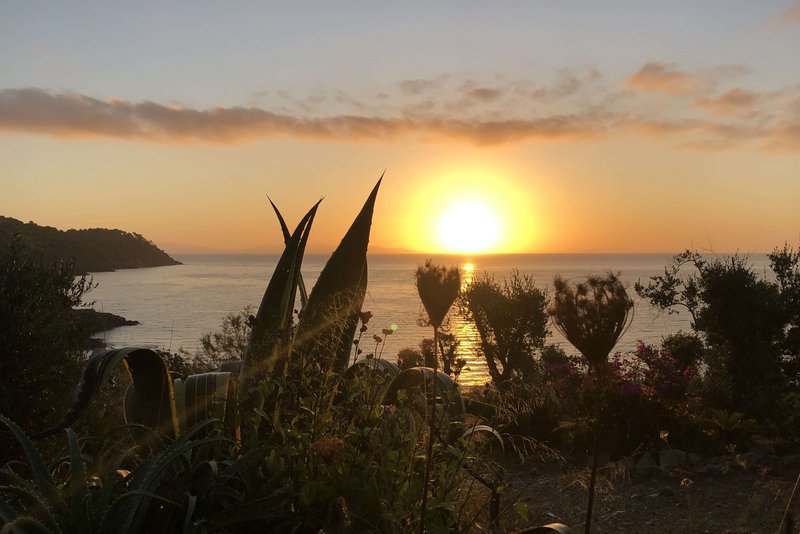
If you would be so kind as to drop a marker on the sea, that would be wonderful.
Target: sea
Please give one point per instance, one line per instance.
(176, 305)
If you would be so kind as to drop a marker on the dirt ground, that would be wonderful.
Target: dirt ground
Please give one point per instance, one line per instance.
(734, 500)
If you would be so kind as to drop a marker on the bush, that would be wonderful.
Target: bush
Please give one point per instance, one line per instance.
(512, 324)
(41, 342)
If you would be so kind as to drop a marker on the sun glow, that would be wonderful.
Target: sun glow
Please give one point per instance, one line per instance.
(468, 226)
(472, 210)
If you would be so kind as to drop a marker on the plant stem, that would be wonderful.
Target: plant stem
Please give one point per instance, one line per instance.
(431, 430)
(595, 444)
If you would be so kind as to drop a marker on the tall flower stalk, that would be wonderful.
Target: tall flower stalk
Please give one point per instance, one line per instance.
(593, 315)
(438, 289)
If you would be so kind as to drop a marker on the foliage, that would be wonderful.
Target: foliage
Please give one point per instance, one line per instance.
(225, 345)
(447, 353)
(41, 343)
(512, 323)
(748, 322)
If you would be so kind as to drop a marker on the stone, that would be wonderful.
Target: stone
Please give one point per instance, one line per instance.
(694, 459)
(671, 459)
(645, 465)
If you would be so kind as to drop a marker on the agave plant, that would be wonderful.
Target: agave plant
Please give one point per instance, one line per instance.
(592, 315)
(328, 320)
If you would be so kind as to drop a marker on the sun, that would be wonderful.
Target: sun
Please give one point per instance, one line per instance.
(468, 226)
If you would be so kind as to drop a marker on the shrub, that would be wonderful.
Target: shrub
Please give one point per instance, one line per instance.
(511, 321)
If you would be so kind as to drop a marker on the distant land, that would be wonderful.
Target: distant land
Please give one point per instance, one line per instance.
(92, 249)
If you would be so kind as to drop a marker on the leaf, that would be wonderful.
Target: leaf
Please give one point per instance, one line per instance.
(127, 515)
(286, 238)
(152, 399)
(25, 525)
(202, 396)
(275, 312)
(78, 487)
(329, 320)
(521, 509)
(41, 476)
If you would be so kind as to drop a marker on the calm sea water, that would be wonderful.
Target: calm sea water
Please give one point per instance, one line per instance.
(176, 305)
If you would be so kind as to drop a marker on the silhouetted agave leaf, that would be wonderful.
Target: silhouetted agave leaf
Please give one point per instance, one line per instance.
(199, 397)
(78, 487)
(419, 380)
(286, 238)
(331, 314)
(52, 500)
(275, 312)
(25, 525)
(153, 402)
(7, 512)
(127, 512)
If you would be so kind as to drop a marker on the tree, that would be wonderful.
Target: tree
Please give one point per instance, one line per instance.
(511, 321)
(40, 338)
(750, 323)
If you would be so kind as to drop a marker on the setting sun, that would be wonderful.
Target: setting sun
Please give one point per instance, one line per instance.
(468, 226)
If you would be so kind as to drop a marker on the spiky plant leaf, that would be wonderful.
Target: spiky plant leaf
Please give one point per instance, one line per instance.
(51, 497)
(78, 487)
(203, 396)
(153, 401)
(329, 320)
(127, 514)
(7, 512)
(275, 312)
(301, 285)
(25, 525)
(419, 381)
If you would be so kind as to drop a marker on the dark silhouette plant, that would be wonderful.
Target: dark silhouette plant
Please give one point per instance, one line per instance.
(592, 315)
(438, 288)
(511, 320)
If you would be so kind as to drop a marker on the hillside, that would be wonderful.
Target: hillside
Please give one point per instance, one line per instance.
(93, 249)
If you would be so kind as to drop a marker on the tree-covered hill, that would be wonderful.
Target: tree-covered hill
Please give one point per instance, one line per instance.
(93, 249)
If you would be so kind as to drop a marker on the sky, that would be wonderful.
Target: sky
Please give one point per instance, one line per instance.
(505, 126)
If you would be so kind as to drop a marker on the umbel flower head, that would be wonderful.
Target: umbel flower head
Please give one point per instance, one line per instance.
(438, 288)
(592, 315)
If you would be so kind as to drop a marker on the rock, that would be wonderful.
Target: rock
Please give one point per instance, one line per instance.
(645, 465)
(762, 453)
(666, 491)
(671, 459)
(694, 459)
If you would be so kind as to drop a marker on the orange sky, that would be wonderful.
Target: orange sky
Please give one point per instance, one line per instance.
(646, 134)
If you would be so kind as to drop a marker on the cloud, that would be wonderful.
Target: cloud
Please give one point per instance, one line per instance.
(665, 78)
(789, 16)
(484, 94)
(75, 115)
(500, 112)
(732, 102)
